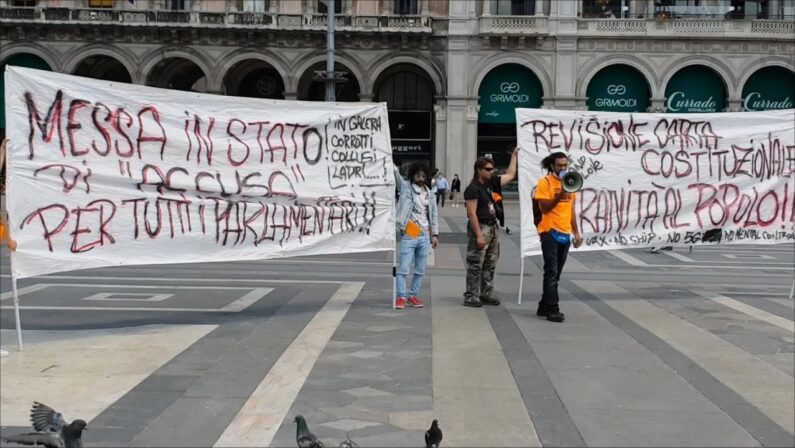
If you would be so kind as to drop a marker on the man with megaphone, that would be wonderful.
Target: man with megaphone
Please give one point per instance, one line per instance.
(555, 194)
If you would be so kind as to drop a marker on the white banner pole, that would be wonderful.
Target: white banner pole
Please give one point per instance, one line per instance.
(394, 276)
(16, 303)
(521, 279)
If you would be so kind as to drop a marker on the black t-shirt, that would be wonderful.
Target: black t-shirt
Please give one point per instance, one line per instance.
(456, 184)
(486, 209)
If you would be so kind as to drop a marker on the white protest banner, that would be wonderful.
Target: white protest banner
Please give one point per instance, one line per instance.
(666, 179)
(107, 174)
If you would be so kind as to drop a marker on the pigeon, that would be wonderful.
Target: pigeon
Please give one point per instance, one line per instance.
(52, 430)
(348, 443)
(303, 437)
(433, 436)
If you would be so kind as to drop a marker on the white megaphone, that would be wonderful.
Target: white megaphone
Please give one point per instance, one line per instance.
(572, 181)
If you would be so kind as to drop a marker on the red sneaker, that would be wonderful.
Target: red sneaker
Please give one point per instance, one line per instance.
(415, 302)
(400, 303)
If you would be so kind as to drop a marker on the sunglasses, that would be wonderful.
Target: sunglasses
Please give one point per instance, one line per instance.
(488, 169)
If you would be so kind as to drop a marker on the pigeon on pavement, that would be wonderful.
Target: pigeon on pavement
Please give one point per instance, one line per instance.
(433, 436)
(303, 437)
(348, 443)
(51, 430)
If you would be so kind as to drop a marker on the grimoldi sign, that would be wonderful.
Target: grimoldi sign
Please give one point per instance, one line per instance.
(504, 89)
(509, 93)
(618, 88)
(616, 98)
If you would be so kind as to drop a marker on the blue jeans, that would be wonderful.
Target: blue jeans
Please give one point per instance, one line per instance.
(412, 251)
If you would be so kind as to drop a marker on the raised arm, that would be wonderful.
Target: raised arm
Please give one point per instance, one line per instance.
(510, 174)
(400, 182)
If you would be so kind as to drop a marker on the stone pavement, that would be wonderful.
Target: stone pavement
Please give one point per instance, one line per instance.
(669, 349)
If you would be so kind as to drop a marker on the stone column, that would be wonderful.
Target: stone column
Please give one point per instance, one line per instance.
(273, 6)
(442, 157)
(725, 5)
(734, 105)
(539, 7)
(473, 109)
(461, 129)
(564, 25)
(656, 105)
(487, 8)
(348, 7)
(634, 9)
(649, 9)
(773, 8)
(460, 150)
(386, 7)
(425, 7)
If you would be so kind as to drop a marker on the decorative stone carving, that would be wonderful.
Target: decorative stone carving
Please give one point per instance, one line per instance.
(441, 111)
(472, 111)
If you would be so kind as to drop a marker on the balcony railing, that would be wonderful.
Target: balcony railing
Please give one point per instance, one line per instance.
(692, 27)
(216, 19)
(513, 25)
(494, 25)
(786, 28)
(19, 14)
(320, 20)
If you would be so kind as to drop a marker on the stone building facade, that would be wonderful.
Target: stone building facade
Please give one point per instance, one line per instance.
(451, 71)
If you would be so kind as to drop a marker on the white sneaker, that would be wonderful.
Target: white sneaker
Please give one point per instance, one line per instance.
(3, 353)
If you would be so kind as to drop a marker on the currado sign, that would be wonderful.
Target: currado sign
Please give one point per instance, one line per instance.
(769, 88)
(754, 101)
(695, 89)
(678, 103)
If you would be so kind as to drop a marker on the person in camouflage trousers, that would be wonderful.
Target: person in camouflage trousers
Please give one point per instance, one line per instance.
(481, 264)
(483, 248)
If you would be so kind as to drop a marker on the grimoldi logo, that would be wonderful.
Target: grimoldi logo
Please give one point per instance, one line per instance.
(509, 94)
(616, 90)
(677, 102)
(509, 87)
(754, 101)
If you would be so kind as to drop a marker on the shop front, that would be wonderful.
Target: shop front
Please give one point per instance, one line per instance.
(618, 88)
(502, 90)
(695, 89)
(769, 88)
